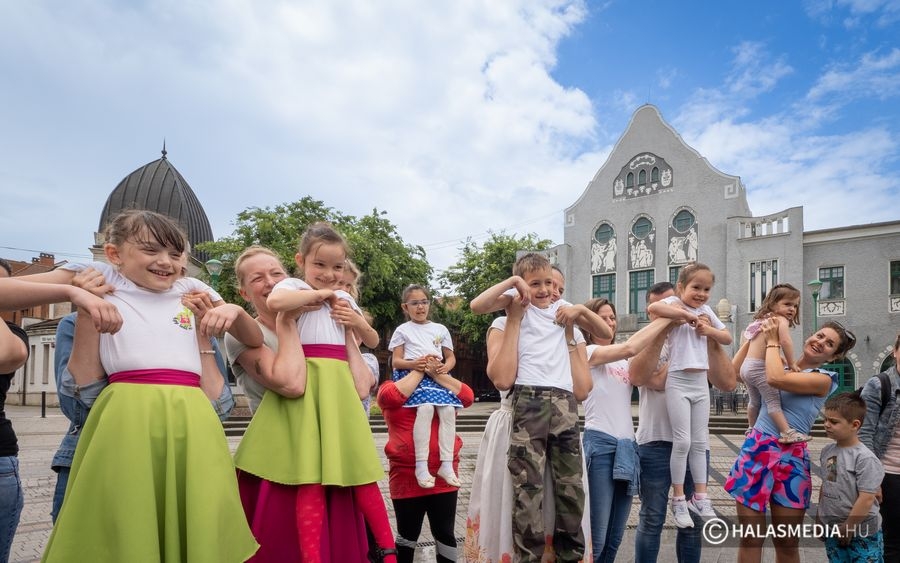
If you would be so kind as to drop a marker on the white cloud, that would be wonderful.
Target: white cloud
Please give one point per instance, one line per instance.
(873, 76)
(446, 117)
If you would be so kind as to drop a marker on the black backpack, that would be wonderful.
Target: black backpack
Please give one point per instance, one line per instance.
(885, 380)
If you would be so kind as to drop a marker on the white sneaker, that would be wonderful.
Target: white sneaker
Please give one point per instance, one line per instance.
(702, 508)
(680, 512)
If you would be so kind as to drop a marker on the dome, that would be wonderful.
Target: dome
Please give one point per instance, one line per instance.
(158, 186)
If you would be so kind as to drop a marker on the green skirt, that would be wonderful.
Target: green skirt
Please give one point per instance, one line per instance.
(321, 437)
(152, 480)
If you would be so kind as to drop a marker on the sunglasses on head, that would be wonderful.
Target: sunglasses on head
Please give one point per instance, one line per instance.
(848, 334)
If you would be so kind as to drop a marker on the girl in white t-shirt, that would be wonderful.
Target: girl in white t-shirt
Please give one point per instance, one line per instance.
(314, 435)
(424, 346)
(687, 392)
(152, 462)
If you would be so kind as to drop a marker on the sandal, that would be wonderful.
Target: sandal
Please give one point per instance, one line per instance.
(377, 554)
(791, 436)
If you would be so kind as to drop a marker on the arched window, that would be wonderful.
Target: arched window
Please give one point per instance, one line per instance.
(642, 227)
(604, 233)
(642, 177)
(629, 180)
(683, 221)
(654, 174)
(888, 362)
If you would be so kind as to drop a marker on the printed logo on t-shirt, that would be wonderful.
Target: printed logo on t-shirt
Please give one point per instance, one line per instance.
(436, 341)
(831, 469)
(183, 318)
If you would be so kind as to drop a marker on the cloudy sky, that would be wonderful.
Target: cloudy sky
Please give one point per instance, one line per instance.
(455, 118)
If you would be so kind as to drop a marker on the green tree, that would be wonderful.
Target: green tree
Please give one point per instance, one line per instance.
(478, 268)
(387, 263)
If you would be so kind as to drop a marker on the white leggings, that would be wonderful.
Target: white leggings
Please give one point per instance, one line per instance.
(687, 398)
(446, 431)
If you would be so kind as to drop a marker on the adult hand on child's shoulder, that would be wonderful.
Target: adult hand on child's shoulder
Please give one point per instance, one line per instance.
(92, 280)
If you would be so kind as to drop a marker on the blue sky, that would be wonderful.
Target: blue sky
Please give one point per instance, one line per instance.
(455, 118)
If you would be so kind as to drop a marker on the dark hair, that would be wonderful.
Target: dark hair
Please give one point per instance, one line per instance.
(659, 288)
(848, 339)
(317, 234)
(850, 405)
(6, 266)
(404, 295)
(594, 305)
(778, 293)
(530, 262)
(897, 342)
(135, 223)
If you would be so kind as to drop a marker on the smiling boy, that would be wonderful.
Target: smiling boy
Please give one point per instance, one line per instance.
(544, 429)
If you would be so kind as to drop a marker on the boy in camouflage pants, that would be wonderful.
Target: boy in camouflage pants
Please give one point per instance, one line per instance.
(544, 410)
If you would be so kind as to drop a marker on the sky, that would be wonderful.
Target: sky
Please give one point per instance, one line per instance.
(457, 119)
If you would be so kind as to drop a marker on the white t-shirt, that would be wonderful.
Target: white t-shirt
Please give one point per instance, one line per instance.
(543, 354)
(421, 339)
(234, 348)
(158, 332)
(608, 407)
(687, 349)
(317, 327)
(653, 415)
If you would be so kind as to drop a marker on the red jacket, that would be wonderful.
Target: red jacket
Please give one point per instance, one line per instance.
(400, 450)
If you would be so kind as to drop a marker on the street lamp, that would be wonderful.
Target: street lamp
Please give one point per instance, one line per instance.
(214, 267)
(815, 286)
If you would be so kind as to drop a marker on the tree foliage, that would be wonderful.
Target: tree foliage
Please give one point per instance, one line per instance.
(387, 263)
(478, 268)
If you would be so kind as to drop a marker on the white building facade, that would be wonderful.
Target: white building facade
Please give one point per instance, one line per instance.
(656, 204)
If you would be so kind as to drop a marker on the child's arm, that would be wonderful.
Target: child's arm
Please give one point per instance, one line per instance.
(787, 345)
(345, 315)
(492, 298)
(674, 312)
(289, 366)
(704, 328)
(503, 348)
(416, 364)
(858, 513)
(362, 375)
(286, 299)
(217, 318)
(584, 318)
(84, 362)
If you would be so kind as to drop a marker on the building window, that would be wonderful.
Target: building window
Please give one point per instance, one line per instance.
(895, 278)
(763, 275)
(832, 279)
(642, 227)
(683, 221)
(654, 174)
(629, 180)
(640, 282)
(604, 233)
(674, 272)
(605, 286)
(642, 177)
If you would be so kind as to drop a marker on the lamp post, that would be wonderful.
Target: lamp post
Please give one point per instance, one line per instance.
(214, 267)
(815, 286)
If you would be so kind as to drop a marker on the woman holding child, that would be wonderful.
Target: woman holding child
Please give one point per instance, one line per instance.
(768, 472)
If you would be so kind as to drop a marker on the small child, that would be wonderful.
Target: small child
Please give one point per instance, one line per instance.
(687, 392)
(424, 346)
(851, 477)
(782, 304)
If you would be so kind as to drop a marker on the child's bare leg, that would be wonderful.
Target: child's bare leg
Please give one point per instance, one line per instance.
(446, 441)
(422, 441)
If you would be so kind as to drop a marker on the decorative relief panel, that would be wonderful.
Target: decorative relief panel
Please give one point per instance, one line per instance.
(603, 257)
(683, 247)
(645, 174)
(640, 251)
(895, 305)
(832, 308)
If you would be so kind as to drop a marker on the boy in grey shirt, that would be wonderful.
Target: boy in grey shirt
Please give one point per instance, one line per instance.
(851, 476)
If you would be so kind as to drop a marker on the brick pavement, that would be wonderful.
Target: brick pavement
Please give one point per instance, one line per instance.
(39, 438)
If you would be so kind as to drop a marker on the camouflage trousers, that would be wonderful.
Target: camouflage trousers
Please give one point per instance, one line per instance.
(544, 437)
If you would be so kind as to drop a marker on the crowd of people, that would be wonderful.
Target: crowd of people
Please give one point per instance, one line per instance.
(145, 473)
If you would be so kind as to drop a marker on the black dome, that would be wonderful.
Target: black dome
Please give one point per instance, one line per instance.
(158, 186)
